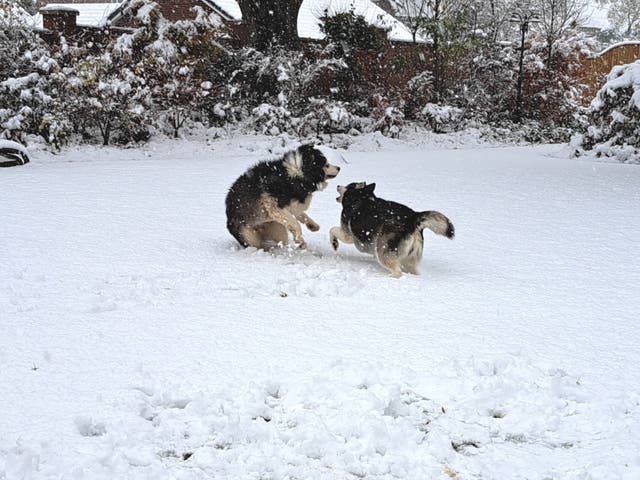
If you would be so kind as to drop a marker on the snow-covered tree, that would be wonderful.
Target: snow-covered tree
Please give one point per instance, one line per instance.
(272, 23)
(179, 60)
(624, 15)
(556, 18)
(26, 65)
(614, 117)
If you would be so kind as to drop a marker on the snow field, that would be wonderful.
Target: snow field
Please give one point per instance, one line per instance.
(138, 341)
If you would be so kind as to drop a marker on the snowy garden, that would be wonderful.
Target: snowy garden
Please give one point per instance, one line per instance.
(139, 340)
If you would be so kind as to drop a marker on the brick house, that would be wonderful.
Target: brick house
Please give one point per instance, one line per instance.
(58, 16)
(94, 20)
(91, 22)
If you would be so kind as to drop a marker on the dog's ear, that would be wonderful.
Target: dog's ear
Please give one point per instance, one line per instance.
(369, 188)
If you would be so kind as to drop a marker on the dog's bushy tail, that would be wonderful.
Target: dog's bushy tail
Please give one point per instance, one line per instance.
(436, 222)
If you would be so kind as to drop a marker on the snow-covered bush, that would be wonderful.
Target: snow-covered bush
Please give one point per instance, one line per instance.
(387, 118)
(330, 116)
(442, 118)
(350, 31)
(552, 89)
(179, 62)
(614, 117)
(273, 119)
(110, 99)
(27, 67)
(416, 94)
(487, 94)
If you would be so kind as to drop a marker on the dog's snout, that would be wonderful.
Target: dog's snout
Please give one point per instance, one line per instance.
(338, 168)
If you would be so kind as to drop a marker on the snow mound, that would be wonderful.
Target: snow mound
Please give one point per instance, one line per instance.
(491, 419)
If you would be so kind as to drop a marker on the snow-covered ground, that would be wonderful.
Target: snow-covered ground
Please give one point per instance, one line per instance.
(137, 341)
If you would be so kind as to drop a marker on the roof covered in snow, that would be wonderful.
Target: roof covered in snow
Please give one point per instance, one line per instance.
(98, 14)
(312, 10)
(91, 14)
(596, 17)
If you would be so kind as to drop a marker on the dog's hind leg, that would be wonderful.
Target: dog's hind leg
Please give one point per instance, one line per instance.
(285, 218)
(410, 264)
(388, 257)
(272, 232)
(337, 233)
(289, 222)
(411, 253)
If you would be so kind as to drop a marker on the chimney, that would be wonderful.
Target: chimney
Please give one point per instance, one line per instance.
(59, 19)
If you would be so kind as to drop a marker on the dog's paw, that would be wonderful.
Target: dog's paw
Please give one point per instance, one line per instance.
(302, 245)
(334, 243)
(313, 226)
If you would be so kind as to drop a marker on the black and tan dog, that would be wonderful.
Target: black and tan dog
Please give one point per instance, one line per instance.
(271, 198)
(389, 230)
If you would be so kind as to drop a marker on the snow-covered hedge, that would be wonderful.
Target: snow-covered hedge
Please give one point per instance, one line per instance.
(614, 117)
(166, 77)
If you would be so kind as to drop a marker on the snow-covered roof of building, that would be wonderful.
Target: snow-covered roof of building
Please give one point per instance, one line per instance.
(596, 17)
(312, 10)
(230, 8)
(90, 14)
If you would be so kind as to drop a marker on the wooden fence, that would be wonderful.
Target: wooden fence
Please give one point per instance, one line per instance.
(595, 69)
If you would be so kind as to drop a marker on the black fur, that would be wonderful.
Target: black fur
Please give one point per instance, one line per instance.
(272, 178)
(366, 216)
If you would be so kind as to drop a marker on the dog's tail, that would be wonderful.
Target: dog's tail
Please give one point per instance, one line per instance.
(436, 222)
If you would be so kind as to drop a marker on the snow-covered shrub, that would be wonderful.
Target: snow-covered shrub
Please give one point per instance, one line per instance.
(349, 31)
(387, 118)
(442, 118)
(614, 117)
(328, 116)
(179, 61)
(272, 119)
(27, 71)
(552, 89)
(110, 98)
(487, 94)
(416, 94)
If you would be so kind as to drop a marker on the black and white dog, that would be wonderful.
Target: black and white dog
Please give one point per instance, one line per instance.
(271, 198)
(389, 230)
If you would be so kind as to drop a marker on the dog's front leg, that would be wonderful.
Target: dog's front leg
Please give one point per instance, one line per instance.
(306, 219)
(335, 234)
